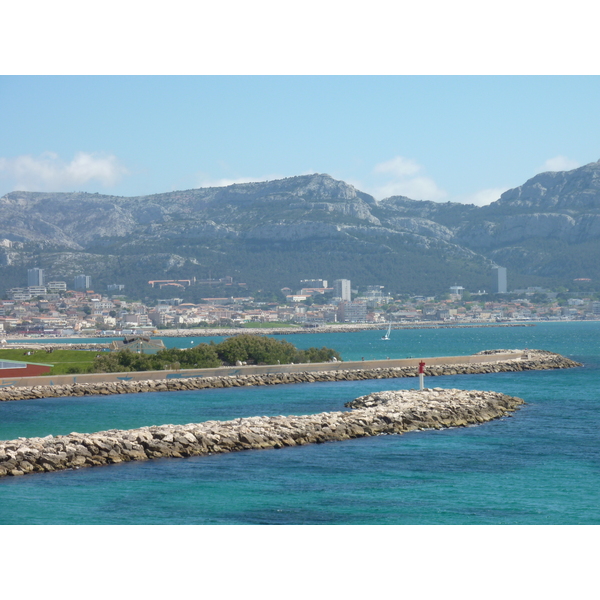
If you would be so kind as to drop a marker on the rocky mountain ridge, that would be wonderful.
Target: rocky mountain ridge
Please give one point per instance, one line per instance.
(535, 229)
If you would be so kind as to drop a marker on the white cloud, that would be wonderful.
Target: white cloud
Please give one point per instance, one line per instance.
(559, 163)
(48, 172)
(415, 188)
(359, 185)
(205, 181)
(483, 197)
(398, 166)
(404, 179)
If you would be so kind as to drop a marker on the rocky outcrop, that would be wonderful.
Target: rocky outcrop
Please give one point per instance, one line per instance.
(516, 228)
(534, 360)
(50, 215)
(560, 209)
(277, 232)
(421, 227)
(382, 413)
(561, 204)
(575, 190)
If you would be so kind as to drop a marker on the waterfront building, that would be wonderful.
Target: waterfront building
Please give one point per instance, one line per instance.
(342, 289)
(352, 312)
(18, 368)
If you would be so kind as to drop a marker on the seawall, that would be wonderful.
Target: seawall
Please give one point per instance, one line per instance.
(394, 412)
(490, 361)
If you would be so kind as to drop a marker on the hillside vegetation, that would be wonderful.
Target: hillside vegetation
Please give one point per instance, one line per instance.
(272, 234)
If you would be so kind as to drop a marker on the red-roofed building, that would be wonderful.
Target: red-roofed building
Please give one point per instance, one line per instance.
(17, 368)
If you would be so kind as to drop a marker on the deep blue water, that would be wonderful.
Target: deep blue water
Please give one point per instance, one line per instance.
(540, 466)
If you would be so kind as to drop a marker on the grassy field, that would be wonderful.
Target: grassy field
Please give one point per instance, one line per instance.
(64, 361)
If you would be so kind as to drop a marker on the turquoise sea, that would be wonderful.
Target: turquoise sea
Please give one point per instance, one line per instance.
(540, 466)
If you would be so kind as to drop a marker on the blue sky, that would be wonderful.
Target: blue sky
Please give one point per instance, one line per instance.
(442, 138)
(433, 100)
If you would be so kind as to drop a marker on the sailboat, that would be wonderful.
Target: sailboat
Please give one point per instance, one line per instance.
(387, 333)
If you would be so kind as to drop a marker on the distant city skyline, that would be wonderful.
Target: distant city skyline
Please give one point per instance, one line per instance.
(450, 138)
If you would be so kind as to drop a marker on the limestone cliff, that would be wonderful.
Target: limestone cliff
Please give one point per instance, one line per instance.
(549, 226)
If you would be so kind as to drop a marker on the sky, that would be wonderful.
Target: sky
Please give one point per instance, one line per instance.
(460, 106)
(440, 138)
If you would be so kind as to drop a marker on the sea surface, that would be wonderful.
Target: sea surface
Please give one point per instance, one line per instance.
(539, 466)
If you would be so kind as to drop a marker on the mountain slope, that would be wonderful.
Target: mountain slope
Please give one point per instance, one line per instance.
(271, 234)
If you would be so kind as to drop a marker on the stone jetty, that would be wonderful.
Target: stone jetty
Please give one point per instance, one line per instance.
(388, 412)
(531, 360)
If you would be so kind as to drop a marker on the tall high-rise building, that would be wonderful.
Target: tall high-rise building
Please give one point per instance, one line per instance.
(502, 287)
(35, 277)
(313, 283)
(83, 282)
(341, 289)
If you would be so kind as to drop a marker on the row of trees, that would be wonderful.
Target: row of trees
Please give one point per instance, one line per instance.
(251, 349)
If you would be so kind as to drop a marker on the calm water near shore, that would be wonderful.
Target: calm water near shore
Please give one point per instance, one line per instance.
(540, 466)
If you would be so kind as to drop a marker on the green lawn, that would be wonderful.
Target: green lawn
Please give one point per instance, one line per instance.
(64, 361)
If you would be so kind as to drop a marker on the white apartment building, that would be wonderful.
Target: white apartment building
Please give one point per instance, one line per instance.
(342, 289)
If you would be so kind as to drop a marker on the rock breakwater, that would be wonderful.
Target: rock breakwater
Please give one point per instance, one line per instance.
(389, 412)
(532, 360)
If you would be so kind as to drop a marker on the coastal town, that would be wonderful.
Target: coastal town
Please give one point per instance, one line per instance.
(60, 308)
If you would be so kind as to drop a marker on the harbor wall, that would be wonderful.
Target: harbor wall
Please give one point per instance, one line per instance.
(253, 370)
(159, 381)
(395, 412)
